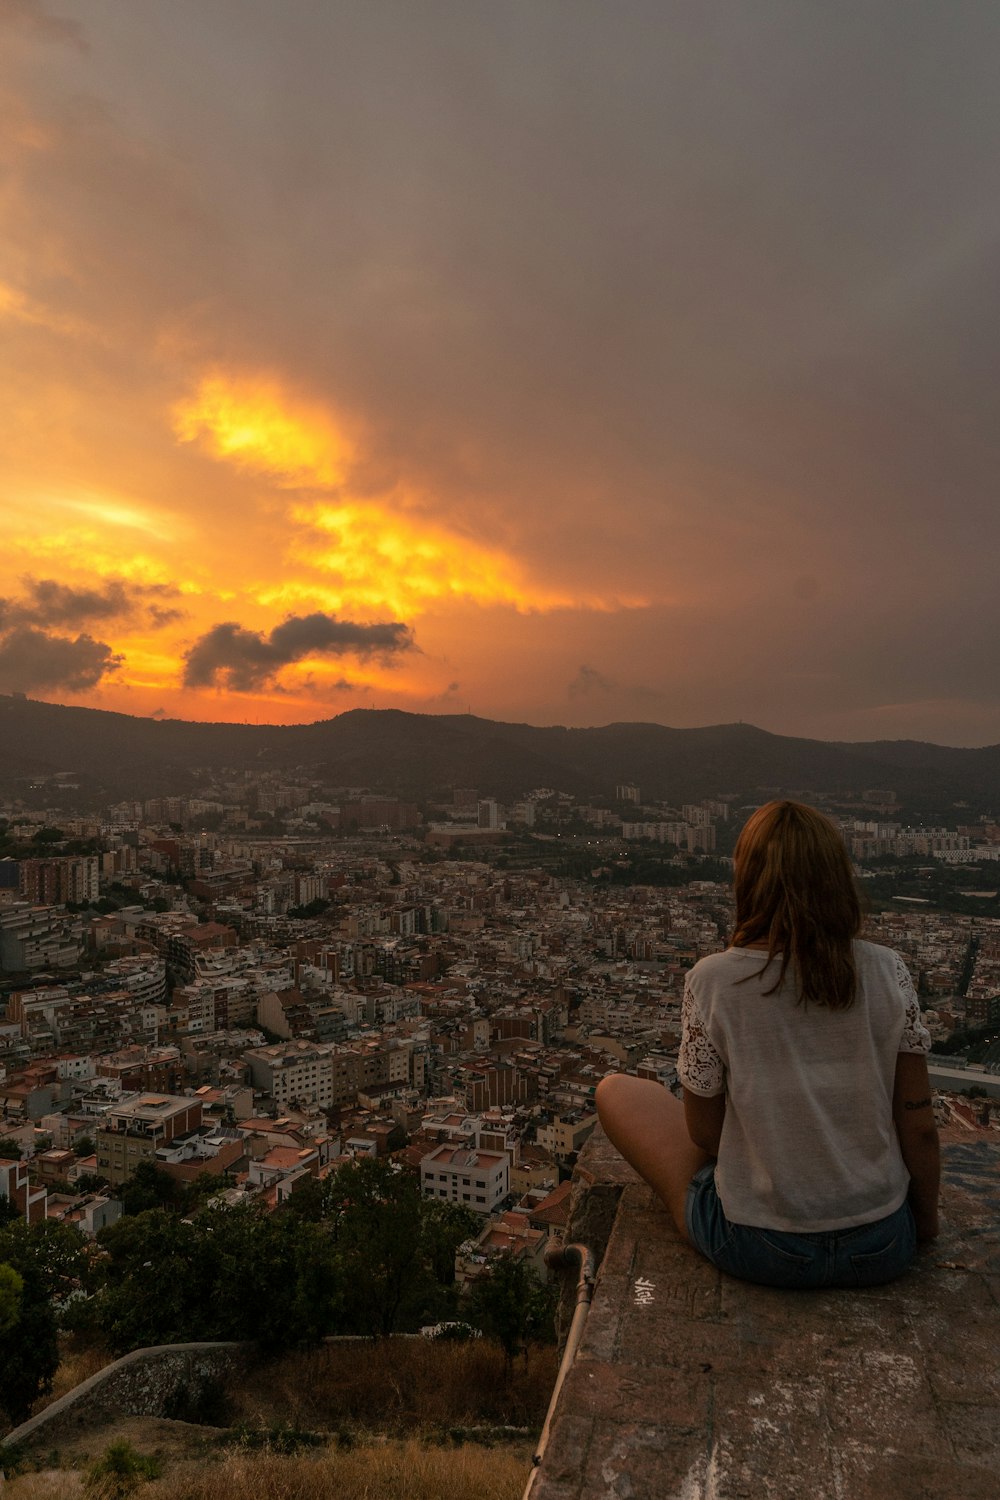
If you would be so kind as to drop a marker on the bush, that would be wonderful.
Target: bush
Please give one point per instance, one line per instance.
(278, 1439)
(120, 1471)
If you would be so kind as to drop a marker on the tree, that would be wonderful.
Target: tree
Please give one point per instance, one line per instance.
(149, 1187)
(91, 1182)
(509, 1304)
(233, 1273)
(11, 1291)
(40, 1260)
(306, 1201)
(84, 1146)
(10, 1150)
(56, 1253)
(152, 1291)
(275, 1276)
(30, 1353)
(443, 1227)
(375, 1217)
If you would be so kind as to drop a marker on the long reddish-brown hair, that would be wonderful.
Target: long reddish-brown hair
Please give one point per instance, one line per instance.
(795, 888)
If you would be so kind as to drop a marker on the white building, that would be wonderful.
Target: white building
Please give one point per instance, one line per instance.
(479, 1179)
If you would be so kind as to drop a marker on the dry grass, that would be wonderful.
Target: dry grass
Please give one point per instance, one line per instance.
(385, 1471)
(397, 1386)
(384, 1399)
(389, 1471)
(77, 1362)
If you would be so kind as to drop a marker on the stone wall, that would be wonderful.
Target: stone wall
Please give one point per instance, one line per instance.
(688, 1385)
(170, 1380)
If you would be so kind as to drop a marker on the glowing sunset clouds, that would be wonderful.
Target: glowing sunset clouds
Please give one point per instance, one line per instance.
(373, 558)
(571, 371)
(361, 556)
(252, 423)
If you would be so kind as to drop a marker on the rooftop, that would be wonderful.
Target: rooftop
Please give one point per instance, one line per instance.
(689, 1385)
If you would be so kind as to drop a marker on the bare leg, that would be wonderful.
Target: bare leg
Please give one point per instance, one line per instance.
(646, 1123)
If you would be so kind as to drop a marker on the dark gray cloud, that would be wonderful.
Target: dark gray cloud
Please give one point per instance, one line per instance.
(589, 681)
(245, 660)
(696, 303)
(159, 617)
(33, 660)
(55, 605)
(32, 18)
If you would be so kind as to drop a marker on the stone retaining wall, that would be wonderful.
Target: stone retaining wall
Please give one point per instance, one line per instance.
(688, 1385)
(155, 1382)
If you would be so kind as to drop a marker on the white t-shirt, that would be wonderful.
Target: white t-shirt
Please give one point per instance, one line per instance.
(808, 1140)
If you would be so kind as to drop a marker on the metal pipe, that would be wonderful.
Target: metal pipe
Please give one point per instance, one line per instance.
(557, 1259)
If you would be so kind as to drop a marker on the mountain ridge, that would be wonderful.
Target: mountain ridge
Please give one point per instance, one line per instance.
(114, 755)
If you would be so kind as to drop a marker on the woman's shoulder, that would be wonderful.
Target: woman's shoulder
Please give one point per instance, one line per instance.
(875, 955)
(723, 966)
(874, 961)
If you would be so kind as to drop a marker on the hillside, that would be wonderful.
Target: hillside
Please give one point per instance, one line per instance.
(112, 755)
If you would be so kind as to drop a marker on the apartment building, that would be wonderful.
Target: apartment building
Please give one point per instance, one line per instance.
(38, 937)
(50, 882)
(135, 1128)
(297, 1070)
(29, 1202)
(479, 1179)
(562, 1137)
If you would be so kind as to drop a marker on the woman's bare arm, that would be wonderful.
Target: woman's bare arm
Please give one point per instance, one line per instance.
(913, 1113)
(703, 1118)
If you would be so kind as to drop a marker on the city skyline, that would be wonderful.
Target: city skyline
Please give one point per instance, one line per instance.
(568, 363)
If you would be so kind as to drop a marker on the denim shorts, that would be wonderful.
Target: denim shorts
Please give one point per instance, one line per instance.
(865, 1255)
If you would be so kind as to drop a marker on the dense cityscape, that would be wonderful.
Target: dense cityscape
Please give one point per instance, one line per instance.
(186, 987)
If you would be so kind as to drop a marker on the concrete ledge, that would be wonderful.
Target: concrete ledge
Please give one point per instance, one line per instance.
(145, 1383)
(689, 1385)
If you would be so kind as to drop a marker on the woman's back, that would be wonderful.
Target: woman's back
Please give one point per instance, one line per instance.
(808, 1140)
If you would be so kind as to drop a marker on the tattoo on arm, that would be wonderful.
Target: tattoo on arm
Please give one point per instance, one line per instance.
(917, 1103)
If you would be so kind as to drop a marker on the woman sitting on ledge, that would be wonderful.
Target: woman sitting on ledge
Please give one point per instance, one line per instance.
(805, 1152)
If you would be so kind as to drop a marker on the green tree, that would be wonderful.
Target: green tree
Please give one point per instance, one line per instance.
(149, 1187)
(91, 1182)
(375, 1215)
(150, 1293)
(510, 1304)
(306, 1202)
(274, 1275)
(443, 1227)
(11, 1292)
(30, 1343)
(232, 1273)
(56, 1253)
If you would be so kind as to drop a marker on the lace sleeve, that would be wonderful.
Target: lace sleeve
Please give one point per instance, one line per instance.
(699, 1066)
(916, 1037)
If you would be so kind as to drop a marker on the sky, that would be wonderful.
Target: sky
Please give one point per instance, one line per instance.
(557, 361)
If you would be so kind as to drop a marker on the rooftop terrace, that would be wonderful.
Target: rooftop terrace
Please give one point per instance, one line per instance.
(689, 1385)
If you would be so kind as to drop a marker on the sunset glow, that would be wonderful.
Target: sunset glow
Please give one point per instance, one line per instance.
(580, 378)
(378, 560)
(252, 424)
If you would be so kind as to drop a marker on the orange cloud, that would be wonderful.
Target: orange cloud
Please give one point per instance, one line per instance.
(252, 423)
(20, 308)
(364, 556)
(370, 558)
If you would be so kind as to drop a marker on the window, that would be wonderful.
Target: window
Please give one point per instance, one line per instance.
(480, 1197)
